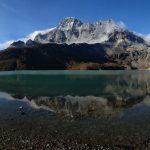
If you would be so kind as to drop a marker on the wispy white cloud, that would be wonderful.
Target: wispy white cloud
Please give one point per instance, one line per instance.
(122, 24)
(5, 44)
(31, 36)
(147, 38)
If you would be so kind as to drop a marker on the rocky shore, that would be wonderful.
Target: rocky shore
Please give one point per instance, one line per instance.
(42, 130)
(11, 139)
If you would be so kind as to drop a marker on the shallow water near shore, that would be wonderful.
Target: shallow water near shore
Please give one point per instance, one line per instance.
(75, 109)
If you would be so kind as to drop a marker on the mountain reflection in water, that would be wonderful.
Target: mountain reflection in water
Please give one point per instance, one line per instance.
(97, 95)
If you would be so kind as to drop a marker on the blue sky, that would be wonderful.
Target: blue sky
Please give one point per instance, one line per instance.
(18, 18)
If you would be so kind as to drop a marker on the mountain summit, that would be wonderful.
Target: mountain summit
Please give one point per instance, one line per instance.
(72, 30)
(69, 23)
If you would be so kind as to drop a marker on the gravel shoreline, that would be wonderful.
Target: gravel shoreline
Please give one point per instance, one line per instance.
(12, 139)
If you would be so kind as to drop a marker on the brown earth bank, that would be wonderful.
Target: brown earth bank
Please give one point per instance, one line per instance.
(71, 57)
(95, 66)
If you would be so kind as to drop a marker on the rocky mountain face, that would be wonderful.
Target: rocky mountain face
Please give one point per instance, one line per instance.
(19, 44)
(71, 30)
(77, 45)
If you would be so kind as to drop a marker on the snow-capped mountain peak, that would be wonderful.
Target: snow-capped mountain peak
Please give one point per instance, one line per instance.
(72, 30)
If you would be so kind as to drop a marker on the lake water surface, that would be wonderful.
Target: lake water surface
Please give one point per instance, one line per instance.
(96, 108)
